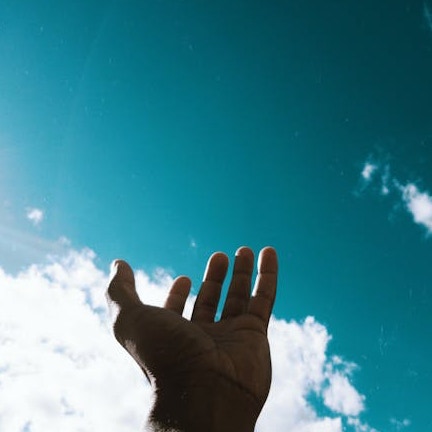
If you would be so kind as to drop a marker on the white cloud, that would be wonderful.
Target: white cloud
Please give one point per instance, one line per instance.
(301, 369)
(374, 172)
(359, 426)
(376, 175)
(341, 397)
(59, 365)
(385, 180)
(61, 369)
(368, 170)
(35, 216)
(419, 204)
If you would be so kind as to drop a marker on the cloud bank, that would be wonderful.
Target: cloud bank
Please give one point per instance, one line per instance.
(61, 369)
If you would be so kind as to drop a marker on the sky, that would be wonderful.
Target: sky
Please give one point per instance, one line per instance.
(161, 131)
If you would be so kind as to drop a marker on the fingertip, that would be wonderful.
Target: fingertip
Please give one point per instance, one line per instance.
(183, 277)
(219, 261)
(181, 286)
(115, 263)
(121, 268)
(121, 287)
(178, 294)
(269, 249)
(268, 260)
(183, 281)
(219, 256)
(246, 252)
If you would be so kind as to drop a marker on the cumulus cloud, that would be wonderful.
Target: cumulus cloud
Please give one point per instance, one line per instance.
(35, 216)
(302, 369)
(61, 369)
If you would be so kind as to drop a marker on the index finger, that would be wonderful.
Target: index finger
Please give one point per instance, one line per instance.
(264, 293)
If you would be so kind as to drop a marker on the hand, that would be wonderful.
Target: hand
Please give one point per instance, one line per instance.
(207, 375)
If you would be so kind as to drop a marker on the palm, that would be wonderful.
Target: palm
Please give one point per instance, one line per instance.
(235, 349)
(175, 351)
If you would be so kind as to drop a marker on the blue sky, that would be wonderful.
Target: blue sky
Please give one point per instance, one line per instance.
(162, 131)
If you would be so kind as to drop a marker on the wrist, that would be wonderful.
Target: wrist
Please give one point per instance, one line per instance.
(218, 405)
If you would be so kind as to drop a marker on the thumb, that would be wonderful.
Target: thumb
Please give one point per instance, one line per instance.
(121, 289)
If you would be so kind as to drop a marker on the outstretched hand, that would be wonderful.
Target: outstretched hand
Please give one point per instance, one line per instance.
(207, 375)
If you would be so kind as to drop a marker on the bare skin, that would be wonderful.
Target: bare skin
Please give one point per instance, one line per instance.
(207, 375)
